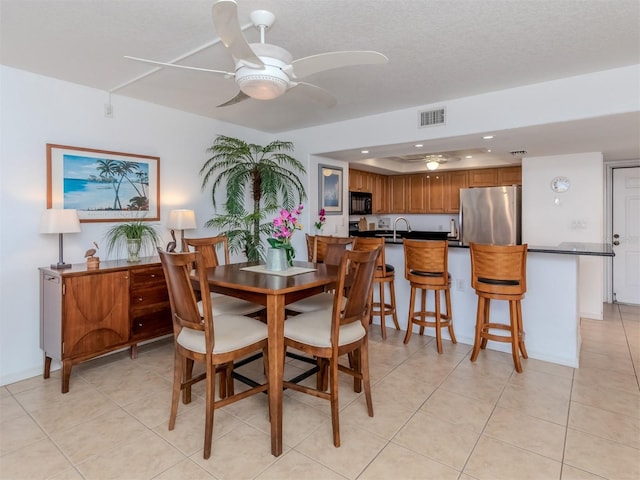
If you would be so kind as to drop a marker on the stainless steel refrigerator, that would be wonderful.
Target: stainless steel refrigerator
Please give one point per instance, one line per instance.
(491, 215)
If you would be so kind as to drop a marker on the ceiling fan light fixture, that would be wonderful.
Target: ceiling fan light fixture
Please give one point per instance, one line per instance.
(433, 161)
(433, 165)
(261, 86)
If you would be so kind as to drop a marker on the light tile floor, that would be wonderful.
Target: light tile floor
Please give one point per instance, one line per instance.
(436, 417)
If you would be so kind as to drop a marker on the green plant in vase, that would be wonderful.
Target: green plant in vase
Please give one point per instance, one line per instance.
(136, 237)
(283, 228)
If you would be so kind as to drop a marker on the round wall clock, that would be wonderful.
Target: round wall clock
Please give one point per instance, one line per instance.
(560, 184)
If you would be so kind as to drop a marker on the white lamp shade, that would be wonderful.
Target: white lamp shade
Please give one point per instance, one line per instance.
(59, 220)
(182, 219)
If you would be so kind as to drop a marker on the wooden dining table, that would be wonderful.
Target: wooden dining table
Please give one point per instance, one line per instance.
(274, 291)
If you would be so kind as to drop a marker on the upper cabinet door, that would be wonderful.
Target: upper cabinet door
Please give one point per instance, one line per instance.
(454, 181)
(416, 189)
(397, 193)
(435, 192)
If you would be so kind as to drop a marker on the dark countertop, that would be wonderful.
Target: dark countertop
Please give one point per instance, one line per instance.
(564, 248)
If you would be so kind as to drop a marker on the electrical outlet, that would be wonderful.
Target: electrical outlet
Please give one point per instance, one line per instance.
(460, 284)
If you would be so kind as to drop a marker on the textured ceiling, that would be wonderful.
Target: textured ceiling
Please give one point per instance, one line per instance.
(438, 50)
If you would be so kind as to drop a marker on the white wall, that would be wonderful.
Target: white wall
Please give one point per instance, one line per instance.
(38, 110)
(576, 215)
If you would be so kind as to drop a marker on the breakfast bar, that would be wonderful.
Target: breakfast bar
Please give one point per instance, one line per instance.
(550, 308)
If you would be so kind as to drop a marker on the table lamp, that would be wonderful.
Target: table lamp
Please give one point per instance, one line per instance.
(181, 220)
(60, 221)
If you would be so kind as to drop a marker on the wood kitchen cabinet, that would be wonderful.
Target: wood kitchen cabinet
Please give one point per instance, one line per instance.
(483, 177)
(435, 190)
(86, 313)
(360, 181)
(453, 182)
(510, 176)
(416, 193)
(397, 194)
(495, 177)
(380, 194)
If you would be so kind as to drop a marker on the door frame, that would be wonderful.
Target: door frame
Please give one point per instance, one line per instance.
(608, 208)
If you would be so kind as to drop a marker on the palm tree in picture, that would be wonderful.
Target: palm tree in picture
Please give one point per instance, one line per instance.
(108, 169)
(265, 174)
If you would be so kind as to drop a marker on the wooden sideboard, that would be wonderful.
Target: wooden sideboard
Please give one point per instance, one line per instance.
(85, 313)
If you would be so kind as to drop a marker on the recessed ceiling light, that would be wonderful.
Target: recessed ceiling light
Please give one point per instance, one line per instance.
(469, 156)
(364, 151)
(488, 137)
(418, 145)
(488, 150)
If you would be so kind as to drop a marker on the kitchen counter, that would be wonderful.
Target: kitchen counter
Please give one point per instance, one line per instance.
(564, 248)
(551, 313)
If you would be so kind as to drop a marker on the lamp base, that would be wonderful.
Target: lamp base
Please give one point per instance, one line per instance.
(60, 266)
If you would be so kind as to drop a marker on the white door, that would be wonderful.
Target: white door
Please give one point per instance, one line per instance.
(626, 235)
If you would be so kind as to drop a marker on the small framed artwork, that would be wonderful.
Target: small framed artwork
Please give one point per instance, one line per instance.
(330, 189)
(103, 186)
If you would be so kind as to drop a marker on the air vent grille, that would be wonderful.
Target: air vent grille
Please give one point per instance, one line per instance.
(432, 117)
(518, 153)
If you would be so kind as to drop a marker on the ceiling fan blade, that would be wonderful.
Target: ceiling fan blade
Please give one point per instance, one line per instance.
(185, 67)
(316, 93)
(326, 61)
(225, 21)
(237, 99)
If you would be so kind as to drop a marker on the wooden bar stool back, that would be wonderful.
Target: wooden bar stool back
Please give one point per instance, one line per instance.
(426, 268)
(499, 272)
(384, 275)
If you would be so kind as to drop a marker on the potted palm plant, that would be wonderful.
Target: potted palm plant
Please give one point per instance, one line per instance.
(267, 174)
(136, 237)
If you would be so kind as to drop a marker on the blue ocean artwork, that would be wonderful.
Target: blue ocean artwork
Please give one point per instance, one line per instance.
(330, 194)
(99, 184)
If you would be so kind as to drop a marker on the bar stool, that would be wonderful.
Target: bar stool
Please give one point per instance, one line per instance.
(499, 272)
(425, 267)
(384, 275)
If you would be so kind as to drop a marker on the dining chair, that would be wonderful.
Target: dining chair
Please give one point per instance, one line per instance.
(330, 334)
(209, 247)
(385, 275)
(201, 336)
(328, 250)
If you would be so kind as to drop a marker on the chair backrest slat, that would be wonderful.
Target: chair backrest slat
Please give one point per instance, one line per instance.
(357, 269)
(178, 271)
(208, 247)
(372, 243)
(499, 269)
(426, 261)
(318, 247)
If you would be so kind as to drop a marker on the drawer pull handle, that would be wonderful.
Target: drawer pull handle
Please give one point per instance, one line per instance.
(140, 324)
(139, 299)
(153, 275)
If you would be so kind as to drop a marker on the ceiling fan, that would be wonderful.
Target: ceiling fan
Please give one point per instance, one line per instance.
(264, 71)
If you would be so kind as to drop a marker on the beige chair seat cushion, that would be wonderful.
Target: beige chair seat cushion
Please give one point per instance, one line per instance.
(314, 328)
(321, 301)
(231, 332)
(223, 304)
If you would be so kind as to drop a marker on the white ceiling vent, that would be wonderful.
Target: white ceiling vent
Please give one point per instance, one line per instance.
(432, 117)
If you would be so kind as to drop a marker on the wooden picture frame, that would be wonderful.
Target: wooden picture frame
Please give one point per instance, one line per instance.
(103, 186)
(330, 187)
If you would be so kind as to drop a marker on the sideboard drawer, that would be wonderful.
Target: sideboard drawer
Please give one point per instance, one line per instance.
(147, 277)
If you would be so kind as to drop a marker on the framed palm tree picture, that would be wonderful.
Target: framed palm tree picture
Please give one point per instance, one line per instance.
(330, 189)
(103, 186)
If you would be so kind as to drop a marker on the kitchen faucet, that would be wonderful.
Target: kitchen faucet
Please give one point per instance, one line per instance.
(395, 223)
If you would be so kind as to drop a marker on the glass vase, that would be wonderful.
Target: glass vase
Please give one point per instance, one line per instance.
(133, 250)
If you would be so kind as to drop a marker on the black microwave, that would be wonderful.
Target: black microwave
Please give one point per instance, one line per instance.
(360, 203)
